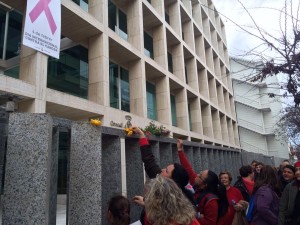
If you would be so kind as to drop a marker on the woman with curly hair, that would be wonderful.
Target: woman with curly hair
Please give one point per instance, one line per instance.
(165, 204)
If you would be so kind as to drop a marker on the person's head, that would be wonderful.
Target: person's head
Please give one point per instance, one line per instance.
(246, 171)
(267, 176)
(283, 164)
(166, 204)
(225, 178)
(258, 167)
(118, 211)
(297, 170)
(253, 164)
(177, 173)
(288, 173)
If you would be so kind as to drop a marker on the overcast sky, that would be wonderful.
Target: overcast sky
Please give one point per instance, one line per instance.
(265, 13)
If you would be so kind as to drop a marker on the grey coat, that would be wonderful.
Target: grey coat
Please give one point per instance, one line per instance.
(287, 202)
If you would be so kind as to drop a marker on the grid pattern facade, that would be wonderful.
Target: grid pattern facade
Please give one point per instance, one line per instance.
(153, 60)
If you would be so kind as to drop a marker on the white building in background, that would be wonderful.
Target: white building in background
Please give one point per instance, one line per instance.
(257, 114)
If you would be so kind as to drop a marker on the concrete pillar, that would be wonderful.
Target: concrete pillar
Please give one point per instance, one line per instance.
(160, 46)
(27, 190)
(182, 109)
(205, 160)
(175, 153)
(135, 24)
(111, 170)
(163, 100)
(98, 89)
(99, 10)
(134, 174)
(195, 110)
(137, 80)
(188, 150)
(86, 165)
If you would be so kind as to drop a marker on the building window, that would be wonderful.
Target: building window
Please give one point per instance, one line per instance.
(170, 62)
(148, 45)
(186, 75)
(10, 33)
(151, 101)
(119, 87)
(167, 17)
(173, 111)
(69, 73)
(84, 4)
(117, 20)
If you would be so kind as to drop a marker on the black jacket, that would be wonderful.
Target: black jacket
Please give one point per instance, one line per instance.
(239, 184)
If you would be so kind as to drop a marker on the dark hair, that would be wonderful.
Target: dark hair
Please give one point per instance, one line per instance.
(245, 171)
(216, 187)
(181, 178)
(225, 172)
(290, 167)
(259, 163)
(268, 177)
(254, 161)
(119, 207)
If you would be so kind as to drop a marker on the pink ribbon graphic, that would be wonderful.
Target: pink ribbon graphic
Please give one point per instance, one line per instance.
(42, 6)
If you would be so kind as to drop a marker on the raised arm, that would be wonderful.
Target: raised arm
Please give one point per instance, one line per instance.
(185, 162)
(151, 167)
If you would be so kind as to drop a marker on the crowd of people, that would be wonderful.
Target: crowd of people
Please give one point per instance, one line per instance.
(262, 194)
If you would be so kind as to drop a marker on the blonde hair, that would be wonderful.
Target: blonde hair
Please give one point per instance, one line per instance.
(166, 204)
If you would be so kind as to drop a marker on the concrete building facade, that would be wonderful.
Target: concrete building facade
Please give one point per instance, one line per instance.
(257, 114)
(165, 61)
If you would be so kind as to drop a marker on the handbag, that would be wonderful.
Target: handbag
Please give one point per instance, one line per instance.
(240, 219)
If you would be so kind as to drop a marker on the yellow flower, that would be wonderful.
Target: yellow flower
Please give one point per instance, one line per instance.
(127, 129)
(96, 122)
(130, 133)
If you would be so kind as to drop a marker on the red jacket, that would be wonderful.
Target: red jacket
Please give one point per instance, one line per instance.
(208, 209)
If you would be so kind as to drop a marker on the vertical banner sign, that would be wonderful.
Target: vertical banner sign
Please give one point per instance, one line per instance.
(43, 26)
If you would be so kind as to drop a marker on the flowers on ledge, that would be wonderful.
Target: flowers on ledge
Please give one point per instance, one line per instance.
(129, 131)
(156, 130)
(96, 122)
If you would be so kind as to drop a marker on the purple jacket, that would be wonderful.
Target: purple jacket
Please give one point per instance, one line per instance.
(266, 207)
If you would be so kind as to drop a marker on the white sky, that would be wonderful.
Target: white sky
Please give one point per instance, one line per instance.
(265, 13)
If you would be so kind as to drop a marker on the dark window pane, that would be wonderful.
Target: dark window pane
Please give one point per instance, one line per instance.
(13, 72)
(122, 21)
(69, 74)
(151, 101)
(170, 62)
(167, 18)
(125, 93)
(112, 15)
(84, 4)
(14, 34)
(173, 111)
(148, 44)
(113, 85)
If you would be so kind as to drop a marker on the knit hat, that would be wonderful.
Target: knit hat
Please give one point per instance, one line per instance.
(180, 176)
(289, 167)
(297, 164)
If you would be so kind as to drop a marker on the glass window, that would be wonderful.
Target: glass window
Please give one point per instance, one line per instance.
(173, 111)
(117, 20)
(185, 72)
(151, 101)
(84, 4)
(167, 17)
(112, 15)
(69, 73)
(11, 44)
(170, 63)
(148, 44)
(119, 89)
(13, 72)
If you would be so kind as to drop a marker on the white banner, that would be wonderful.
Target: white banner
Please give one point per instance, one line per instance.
(43, 26)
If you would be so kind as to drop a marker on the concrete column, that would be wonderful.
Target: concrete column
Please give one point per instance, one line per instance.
(216, 125)
(187, 29)
(111, 170)
(203, 82)
(99, 10)
(222, 160)
(178, 61)
(159, 7)
(206, 120)
(210, 154)
(224, 129)
(27, 190)
(195, 110)
(192, 73)
(86, 165)
(163, 100)
(175, 153)
(182, 109)
(134, 174)
(175, 17)
(188, 150)
(165, 151)
(135, 24)
(98, 89)
(137, 81)
(33, 69)
(160, 46)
